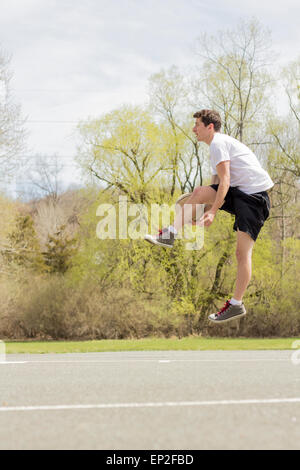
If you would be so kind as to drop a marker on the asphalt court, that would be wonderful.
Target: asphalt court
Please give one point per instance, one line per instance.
(150, 400)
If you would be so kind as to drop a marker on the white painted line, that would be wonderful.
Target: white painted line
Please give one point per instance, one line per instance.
(122, 361)
(151, 405)
(13, 362)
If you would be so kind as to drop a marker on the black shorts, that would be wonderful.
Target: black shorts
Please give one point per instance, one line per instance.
(250, 210)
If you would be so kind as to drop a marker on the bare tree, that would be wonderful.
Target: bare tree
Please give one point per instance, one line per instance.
(51, 204)
(169, 91)
(233, 77)
(286, 163)
(286, 132)
(44, 178)
(12, 133)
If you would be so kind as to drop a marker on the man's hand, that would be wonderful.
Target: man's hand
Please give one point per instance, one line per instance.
(207, 218)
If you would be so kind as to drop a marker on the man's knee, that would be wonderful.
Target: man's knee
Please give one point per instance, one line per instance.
(244, 247)
(199, 194)
(243, 255)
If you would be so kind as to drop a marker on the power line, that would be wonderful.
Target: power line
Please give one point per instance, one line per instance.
(47, 155)
(54, 122)
(49, 122)
(27, 90)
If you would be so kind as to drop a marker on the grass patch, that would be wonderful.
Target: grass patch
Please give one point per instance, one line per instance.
(149, 344)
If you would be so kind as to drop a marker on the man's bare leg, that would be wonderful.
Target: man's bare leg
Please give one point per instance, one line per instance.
(231, 310)
(201, 195)
(186, 210)
(244, 259)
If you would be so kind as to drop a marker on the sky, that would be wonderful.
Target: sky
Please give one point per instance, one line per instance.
(73, 59)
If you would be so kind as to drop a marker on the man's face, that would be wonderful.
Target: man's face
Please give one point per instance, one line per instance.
(202, 133)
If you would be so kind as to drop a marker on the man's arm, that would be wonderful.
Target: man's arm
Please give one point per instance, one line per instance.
(223, 179)
(215, 179)
(223, 170)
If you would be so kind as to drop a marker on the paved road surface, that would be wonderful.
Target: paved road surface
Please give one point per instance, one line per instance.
(179, 400)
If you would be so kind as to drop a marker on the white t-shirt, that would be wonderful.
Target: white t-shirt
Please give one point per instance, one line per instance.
(245, 170)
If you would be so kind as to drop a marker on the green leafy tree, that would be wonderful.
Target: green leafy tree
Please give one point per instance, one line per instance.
(59, 252)
(124, 151)
(23, 248)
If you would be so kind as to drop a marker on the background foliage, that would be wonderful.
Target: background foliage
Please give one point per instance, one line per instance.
(58, 280)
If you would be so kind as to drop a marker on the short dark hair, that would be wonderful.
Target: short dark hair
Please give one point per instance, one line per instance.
(209, 116)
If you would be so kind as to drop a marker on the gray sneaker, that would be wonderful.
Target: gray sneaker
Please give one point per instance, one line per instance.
(227, 313)
(164, 238)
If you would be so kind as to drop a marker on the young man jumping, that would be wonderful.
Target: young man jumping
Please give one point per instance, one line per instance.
(239, 186)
